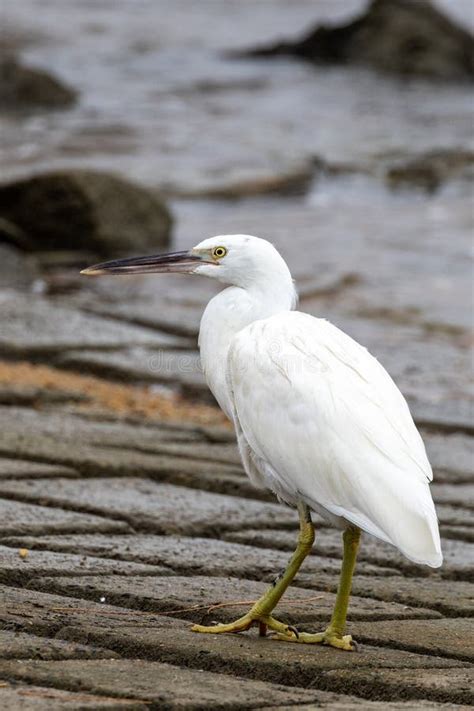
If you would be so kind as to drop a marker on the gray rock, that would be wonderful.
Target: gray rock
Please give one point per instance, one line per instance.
(193, 556)
(16, 569)
(396, 36)
(17, 271)
(449, 515)
(430, 170)
(452, 637)
(20, 518)
(247, 655)
(120, 449)
(456, 495)
(37, 396)
(455, 416)
(36, 326)
(29, 88)
(171, 367)
(18, 645)
(458, 533)
(202, 599)
(162, 638)
(451, 456)
(114, 461)
(162, 686)
(452, 687)
(458, 555)
(21, 469)
(156, 312)
(451, 598)
(31, 697)
(159, 508)
(142, 436)
(86, 210)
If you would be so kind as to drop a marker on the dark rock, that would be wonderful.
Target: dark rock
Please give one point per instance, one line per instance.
(397, 36)
(28, 88)
(11, 234)
(429, 170)
(17, 270)
(86, 210)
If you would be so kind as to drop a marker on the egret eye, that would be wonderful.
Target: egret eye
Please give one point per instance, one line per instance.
(219, 252)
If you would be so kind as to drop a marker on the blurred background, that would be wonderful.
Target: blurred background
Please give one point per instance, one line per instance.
(134, 126)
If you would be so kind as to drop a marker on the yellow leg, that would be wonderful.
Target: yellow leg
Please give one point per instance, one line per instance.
(334, 634)
(260, 613)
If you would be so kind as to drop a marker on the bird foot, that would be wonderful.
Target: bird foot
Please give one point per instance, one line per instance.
(244, 623)
(328, 637)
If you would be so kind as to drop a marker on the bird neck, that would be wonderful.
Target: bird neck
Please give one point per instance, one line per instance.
(228, 313)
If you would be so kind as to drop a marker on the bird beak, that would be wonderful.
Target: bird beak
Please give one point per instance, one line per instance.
(183, 262)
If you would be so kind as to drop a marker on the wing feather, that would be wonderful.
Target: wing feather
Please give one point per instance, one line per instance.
(330, 423)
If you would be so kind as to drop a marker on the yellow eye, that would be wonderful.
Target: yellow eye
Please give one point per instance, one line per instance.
(219, 252)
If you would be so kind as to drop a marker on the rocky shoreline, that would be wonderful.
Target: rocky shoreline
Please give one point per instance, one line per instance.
(126, 514)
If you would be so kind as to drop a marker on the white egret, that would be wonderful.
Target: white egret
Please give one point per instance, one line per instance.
(318, 420)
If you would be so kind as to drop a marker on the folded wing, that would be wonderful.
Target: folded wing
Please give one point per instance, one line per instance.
(330, 423)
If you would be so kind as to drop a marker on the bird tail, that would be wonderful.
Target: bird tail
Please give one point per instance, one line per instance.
(414, 532)
(420, 541)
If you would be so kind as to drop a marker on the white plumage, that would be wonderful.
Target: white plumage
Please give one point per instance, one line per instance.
(318, 419)
(323, 421)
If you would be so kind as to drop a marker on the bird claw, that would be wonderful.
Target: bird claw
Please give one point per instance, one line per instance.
(289, 634)
(263, 622)
(355, 645)
(329, 638)
(281, 632)
(294, 630)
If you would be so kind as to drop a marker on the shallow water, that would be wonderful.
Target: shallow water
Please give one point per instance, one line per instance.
(160, 103)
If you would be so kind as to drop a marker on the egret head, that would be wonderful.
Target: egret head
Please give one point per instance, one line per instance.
(240, 260)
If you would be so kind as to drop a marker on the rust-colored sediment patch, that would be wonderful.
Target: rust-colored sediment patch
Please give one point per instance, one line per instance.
(114, 397)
